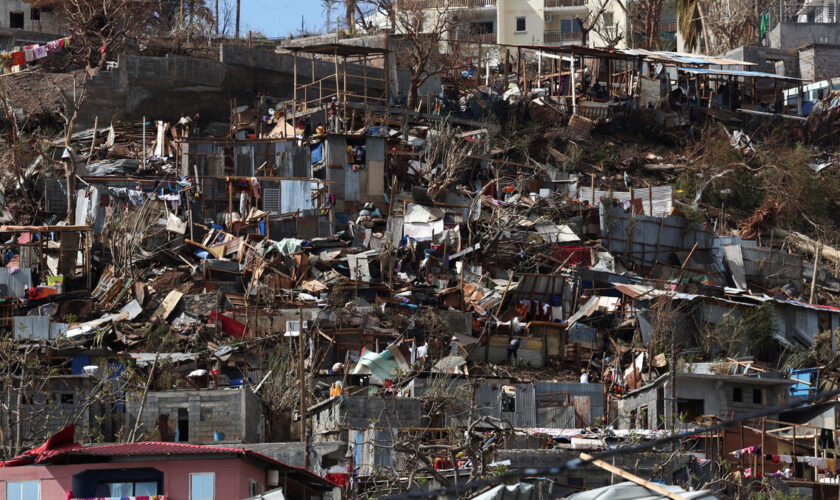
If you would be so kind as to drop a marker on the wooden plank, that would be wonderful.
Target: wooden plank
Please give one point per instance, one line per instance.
(167, 306)
(632, 477)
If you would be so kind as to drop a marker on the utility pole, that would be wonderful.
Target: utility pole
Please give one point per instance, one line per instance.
(673, 388)
(217, 19)
(238, 5)
(302, 391)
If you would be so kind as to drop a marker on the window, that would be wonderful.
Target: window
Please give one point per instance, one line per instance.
(758, 397)
(520, 24)
(16, 20)
(608, 19)
(23, 490)
(202, 486)
(644, 422)
(737, 395)
(67, 398)
(35, 14)
(128, 489)
(253, 487)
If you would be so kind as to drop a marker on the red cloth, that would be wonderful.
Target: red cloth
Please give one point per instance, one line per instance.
(229, 325)
(775, 459)
(576, 255)
(18, 58)
(340, 479)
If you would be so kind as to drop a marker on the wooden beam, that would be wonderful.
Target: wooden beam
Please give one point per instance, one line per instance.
(632, 477)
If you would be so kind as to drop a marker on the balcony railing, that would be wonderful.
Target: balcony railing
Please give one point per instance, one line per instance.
(464, 4)
(564, 3)
(483, 38)
(555, 36)
(668, 27)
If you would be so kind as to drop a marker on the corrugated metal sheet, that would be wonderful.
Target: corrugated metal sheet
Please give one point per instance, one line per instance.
(352, 184)
(292, 160)
(335, 152)
(55, 194)
(661, 195)
(584, 335)
(296, 195)
(595, 393)
(243, 160)
(375, 157)
(16, 284)
(771, 266)
(557, 417)
(646, 240)
(32, 328)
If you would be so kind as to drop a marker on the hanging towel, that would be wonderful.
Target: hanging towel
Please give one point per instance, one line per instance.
(29, 55)
(40, 52)
(785, 459)
(17, 58)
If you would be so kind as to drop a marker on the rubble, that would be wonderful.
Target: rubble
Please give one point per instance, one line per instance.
(565, 261)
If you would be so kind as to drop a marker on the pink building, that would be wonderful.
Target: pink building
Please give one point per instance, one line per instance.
(61, 469)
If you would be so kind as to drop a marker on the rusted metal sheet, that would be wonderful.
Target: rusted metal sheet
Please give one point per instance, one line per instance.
(583, 412)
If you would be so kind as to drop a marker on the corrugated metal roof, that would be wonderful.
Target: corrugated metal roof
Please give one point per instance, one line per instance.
(730, 72)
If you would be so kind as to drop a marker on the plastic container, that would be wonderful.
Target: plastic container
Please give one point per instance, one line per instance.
(218, 436)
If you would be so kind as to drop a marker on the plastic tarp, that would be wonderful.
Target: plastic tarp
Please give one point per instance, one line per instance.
(633, 491)
(520, 491)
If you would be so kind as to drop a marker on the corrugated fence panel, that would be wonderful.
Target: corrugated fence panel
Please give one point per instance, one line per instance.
(296, 195)
(17, 283)
(646, 240)
(32, 328)
(351, 184)
(595, 392)
(526, 411)
(557, 417)
(271, 200)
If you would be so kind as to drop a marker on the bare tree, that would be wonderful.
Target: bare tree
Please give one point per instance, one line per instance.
(732, 24)
(600, 22)
(430, 41)
(644, 19)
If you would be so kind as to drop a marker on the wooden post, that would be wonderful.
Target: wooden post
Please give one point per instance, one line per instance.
(519, 67)
(386, 65)
(295, 75)
(763, 434)
(507, 62)
(302, 378)
(816, 270)
(344, 90)
(93, 140)
(650, 198)
(364, 77)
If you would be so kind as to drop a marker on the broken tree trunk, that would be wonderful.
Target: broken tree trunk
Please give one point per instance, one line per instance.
(807, 245)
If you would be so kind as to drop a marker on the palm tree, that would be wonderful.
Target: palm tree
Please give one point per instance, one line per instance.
(692, 24)
(328, 6)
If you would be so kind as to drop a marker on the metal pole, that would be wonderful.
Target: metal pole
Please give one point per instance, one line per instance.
(144, 141)
(574, 99)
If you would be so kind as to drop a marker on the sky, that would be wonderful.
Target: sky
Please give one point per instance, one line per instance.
(278, 18)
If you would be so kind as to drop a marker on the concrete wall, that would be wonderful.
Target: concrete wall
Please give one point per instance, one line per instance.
(531, 10)
(766, 58)
(819, 62)
(235, 412)
(47, 24)
(717, 395)
(166, 88)
(56, 406)
(795, 35)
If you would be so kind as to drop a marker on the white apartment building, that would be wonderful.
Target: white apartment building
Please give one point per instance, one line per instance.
(550, 22)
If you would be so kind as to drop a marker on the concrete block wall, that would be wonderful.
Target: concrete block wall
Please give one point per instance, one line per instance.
(819, 62)
(235, 412)
(795, 35)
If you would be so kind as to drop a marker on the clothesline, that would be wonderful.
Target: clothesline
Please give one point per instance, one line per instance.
(31, 53)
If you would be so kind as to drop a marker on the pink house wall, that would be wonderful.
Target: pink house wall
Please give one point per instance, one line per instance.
(232, 476)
